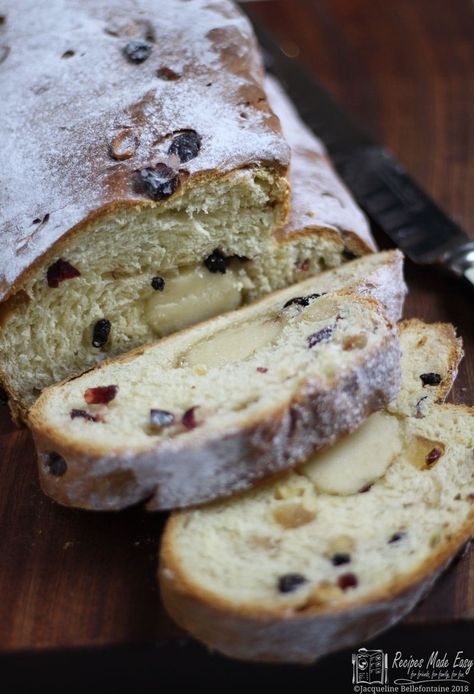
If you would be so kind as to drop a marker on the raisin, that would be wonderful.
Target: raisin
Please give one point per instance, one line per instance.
(161, 418)
(101, 332)
(396, 537)
(301, 300)
(166, 73)
(262, 369)
(216, 262)
(430, 379)
(186, 145)
(346, 581)
(321, 335)
(340, 558)
(348, 255)
(59, 271)
(290, 582)
(160, 181)
(434, 455)
(100, 395)
(189, 418)
(75, 414)
(366, 488)
(158, 283)
(56, 464)
(137, 50)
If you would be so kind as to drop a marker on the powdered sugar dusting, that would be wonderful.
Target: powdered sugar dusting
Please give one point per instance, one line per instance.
(319, 198)
(68, 90)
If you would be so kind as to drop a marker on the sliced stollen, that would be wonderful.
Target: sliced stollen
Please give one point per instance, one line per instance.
(155, 204)
(339, 549)
(208, 411)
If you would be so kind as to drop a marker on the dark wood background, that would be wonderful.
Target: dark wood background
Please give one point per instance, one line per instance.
(405, 68)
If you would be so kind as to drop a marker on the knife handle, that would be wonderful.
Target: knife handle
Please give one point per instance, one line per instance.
(461, 262)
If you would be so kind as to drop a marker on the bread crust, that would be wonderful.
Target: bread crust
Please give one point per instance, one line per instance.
(305, 634)
(227, 462)
(65, 159)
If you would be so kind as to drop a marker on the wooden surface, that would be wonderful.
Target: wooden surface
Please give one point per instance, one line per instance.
(405, 68)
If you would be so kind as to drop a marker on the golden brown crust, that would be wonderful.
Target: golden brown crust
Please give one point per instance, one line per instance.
(65, 159)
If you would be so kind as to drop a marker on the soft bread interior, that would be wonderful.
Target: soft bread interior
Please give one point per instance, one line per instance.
(228, 372)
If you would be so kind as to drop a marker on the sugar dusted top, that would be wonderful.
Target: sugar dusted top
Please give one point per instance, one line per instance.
(82, 112)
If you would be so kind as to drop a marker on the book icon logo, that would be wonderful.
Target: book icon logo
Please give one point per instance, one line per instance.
(369, 667)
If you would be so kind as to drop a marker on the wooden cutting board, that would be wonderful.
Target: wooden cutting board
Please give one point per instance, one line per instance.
(72, 578)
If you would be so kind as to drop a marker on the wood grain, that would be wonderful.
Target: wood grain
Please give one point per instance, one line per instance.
(405, 68)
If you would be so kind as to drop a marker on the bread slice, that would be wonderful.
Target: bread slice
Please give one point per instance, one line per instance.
(102, 255)
(332, 553)
(210, 410)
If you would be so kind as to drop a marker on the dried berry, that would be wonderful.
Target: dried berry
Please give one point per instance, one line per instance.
(290, 582)
(396, 537)
(161, 418)
(158, 283)
(75, 414)
(59, 271)
(186, 145)
(101, 332)
(303, 265)
(434, 455)
(137, 50)
(189, 418)
(216, 262)
(301, 300)
(321, 335)
(340, 558)
(160, 181)
(262, 369)
(430, 379)
(55, 464)
(346, 581)
(348, 255)
(366, 488)
(166, 73)
(100, 395)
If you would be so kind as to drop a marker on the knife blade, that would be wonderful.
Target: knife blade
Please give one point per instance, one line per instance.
(379, 183)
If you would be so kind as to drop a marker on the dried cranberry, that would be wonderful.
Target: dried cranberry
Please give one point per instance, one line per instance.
(186, 145)
(434, 455)
(160, 181)
(75, 414)
(101, 332)
(346, 581)
(396, 537)
(100, 395)
(216, 262)
(303, 265)
(290, 582)
(340, 558)
(56, 464)
(262, 369)
(321, 335)
(137, 50)
(59, 271)
(166, 73)
(430, 379)
(161, 418)
(301, 300)
(189, 418)
(366, 488)
(158, 283)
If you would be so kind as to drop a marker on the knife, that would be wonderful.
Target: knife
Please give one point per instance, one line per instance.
(380, 184)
